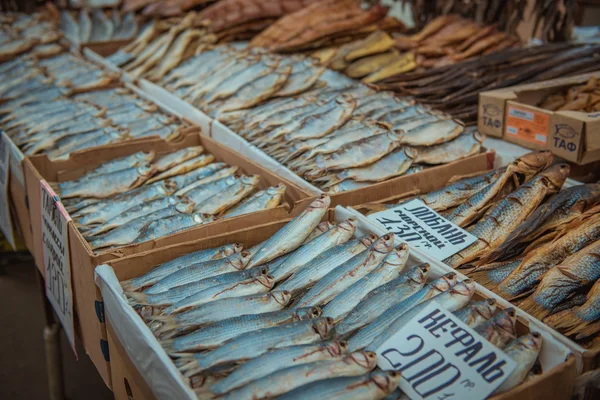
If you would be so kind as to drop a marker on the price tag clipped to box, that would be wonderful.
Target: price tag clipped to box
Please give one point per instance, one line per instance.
(55, 251)
(421, 227)
(440, 357)
(5, 220)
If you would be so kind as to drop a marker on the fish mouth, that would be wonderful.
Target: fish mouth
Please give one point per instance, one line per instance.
(507, 324)
(369, 240)
(348, 225)
(384, 245)
(536, 340)
(386, 382)
(421, 274)
(237, 247)
(266, 280)
(366, 359)
(464, 288)
(282, 297)
(322, 202)
(450, 278)
(323, 327)
(487, 309)
(537, 160)
(315, 312)
(338, 348)
(557, 174)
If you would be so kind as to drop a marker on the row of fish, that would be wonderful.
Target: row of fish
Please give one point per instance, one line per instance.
(331, 130)
(93, 26)
(304, 310)
(145, 196)
(20, 33)
(538, 245)
(62, 104)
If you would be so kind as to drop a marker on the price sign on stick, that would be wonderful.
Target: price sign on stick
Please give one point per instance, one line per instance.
(55, 251)
(5, 221)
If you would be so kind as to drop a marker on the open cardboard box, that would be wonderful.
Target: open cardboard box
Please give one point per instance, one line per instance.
(512, 114)
(586, 359)
(143, 370)
(88, 307)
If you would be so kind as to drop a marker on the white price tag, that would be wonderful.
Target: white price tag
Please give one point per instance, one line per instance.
(5, 220)
(55, 250)
(421, 227)
(442, 358)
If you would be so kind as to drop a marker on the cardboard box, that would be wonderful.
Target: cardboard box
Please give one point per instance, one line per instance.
(87, 304)
(512, 114)
(141, 356)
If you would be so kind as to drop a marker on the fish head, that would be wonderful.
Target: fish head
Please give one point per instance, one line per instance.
(337, 348)
(419, 273)
(384, 243)
(145, 157)
(278, 190)
(203, 218)
(450, 279)
(366, 359)
(411, 152)
(535, 161)
(251, 180)
(396, 136)
(231, 180)
(532, 341)
(368, 240)
(486, 308)
(308, 313)
(282, 297)
(266, 280)
(194, 151)
(463, 291)
(146, 171)
(168, 186)
(323, 326)
(505, 320)
(397, 256)
(322, 202)
(557, 175)
(387, 381)
(172, 200)
(230, 249)
(186, 206)
(478, 136)
(348, 226)
(240, 260)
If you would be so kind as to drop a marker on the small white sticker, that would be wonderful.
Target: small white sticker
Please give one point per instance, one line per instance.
(442, 358)
(541, 138)
(512, 130)
(423, 228)
(6, 225)
(526, 115)
(55, 251)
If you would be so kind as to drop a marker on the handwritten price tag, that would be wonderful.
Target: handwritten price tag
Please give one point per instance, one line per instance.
(442, 358)
(423, 228)
(5, 220)
(57, 268)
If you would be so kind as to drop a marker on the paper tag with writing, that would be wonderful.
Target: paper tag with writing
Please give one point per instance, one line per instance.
(5, 220)
(55, 251)
(442, 358)
(423, 228)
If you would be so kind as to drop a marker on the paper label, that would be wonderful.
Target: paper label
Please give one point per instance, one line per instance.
(527, 125)
(5, 220)
(55, 251)
(16, 156)
(421, 227)
(442, 358)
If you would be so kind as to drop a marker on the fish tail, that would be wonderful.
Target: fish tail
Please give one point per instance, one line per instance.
(584, 332)
(329, 180)
(131, 285)
(532, 307)
(564, 320)
(137, 298)
(483, 278)
(192, 368)
(296, 154)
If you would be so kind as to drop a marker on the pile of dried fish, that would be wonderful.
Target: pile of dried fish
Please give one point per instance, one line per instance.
(444, 41)
(267, 321)
(162, 46)
(63, 104)
(144, 196)
(455, 88)
(97, 25)
(324, 23)
(506, 14)
(333, 131)
(584, 98)
(164, 8)
(20, 33)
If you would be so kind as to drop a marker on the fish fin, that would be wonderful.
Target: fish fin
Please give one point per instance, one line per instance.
(130, 286)
(292, 156)
(532, 307)
(483, 278)
(329, 180)
(466, 268)
(564, 320)
(584, 332)
(137, 298)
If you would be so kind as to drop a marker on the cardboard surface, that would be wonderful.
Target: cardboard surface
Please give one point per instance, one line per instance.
(511, 113)
(132, 333)
(89, 327)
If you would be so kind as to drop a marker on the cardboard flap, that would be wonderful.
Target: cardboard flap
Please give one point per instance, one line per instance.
(144, 350)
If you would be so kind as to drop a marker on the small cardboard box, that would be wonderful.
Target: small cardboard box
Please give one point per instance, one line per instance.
(87, 304)
(145, 367)
(512, 114)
